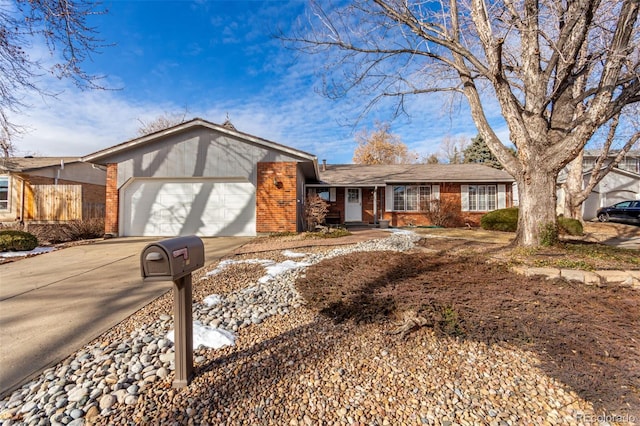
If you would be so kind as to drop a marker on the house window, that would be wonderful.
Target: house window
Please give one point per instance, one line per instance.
(482, 198)
(4, 193)
(411, 198)
(326, 193)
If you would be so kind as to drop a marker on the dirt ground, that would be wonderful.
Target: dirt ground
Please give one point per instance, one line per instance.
(587, 337)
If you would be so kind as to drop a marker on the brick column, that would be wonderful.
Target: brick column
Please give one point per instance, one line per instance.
(112, 201)
(276, 205)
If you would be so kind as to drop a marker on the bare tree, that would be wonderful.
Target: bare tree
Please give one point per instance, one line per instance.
(62, 26)
(161, 122)
(430, 159)
(559, 70)
(381, 147)
(451, 149)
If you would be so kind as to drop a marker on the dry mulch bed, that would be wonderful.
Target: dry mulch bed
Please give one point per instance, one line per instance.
(587, 337)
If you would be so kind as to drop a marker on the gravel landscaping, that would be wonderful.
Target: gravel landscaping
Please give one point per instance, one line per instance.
(315, 344)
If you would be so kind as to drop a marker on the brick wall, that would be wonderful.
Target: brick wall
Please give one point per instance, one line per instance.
(111, 210)
(276, 204)
(450, 197)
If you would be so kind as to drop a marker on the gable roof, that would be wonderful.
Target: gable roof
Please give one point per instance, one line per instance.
(380, 175)
(27, 164)
(563, 177)
(102, 156)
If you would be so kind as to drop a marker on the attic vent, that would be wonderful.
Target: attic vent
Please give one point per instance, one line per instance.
(227, 123)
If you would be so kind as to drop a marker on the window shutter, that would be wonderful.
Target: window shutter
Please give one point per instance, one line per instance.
(435, 192)
(332, 194)
(464, 196)
(388, 198)
(502, 196)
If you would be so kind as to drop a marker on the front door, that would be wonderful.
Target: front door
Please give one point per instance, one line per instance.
(353, 205)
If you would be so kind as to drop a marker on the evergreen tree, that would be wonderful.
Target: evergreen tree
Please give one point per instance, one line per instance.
(478, 152)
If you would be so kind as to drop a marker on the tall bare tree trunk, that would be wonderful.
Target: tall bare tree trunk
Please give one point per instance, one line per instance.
(573, 194)
(537, 194)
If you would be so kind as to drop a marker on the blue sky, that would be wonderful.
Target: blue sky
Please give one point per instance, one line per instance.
(215, 58)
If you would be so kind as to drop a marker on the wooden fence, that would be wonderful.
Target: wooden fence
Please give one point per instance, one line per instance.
(62, 203)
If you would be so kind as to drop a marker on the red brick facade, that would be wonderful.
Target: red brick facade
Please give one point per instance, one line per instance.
(450, 197)
(276, 200)
(111, 211)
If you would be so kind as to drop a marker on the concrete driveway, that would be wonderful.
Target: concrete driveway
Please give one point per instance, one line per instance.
(53, 304)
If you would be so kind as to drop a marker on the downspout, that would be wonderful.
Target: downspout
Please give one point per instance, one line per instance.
(375, 205)
(58, 172)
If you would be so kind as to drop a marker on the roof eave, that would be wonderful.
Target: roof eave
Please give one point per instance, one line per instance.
(105, 153)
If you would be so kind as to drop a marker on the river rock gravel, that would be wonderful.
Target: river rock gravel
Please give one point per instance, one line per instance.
(290, 365)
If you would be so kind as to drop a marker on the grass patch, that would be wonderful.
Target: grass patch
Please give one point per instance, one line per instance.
(331, 233)
(577, 255)
(282, 234)
(565, 264)
(603, 252)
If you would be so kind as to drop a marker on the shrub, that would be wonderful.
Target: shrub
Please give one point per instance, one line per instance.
(507, 220)
(50, 233)
(13, 240)
(570, 226)
(85, 229)
(444, 213)
(501, 220)
(315, 211)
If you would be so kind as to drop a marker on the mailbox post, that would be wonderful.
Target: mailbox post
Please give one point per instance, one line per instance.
(174, 260)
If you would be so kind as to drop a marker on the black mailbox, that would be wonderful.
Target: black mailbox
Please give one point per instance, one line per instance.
(171, 259)
(174, 260)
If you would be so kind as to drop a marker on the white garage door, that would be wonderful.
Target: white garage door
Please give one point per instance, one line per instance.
(168, 208)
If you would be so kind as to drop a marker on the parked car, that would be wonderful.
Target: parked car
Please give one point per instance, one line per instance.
(624, 211)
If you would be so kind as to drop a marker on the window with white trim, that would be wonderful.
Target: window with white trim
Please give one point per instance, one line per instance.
(411, 198)
(4, 193)
(482, 198)
(326, 193)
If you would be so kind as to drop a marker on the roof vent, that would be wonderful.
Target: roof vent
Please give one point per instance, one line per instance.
(227, 123)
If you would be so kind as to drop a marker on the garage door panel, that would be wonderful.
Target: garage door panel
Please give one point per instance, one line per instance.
(172, 208)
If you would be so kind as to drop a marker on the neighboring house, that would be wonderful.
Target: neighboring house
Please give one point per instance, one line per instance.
(410, 194)
(50, 189)
(617, 185)
(621, 183)
(630, 162)
(205, 179)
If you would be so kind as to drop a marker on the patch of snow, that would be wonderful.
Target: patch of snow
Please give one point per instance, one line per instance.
(213, 299)
(37, 250)
(280, 268)
(210, 337)
(289, 253)
(400, 231)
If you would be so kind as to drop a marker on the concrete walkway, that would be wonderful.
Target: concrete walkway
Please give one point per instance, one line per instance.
(53, 304)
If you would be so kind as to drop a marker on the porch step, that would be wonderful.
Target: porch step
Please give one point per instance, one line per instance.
(351, 225)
